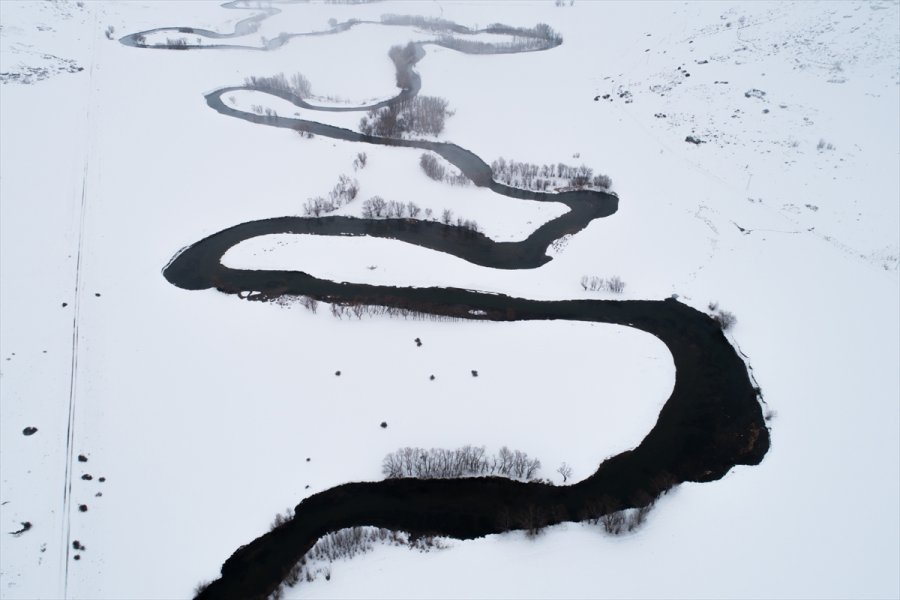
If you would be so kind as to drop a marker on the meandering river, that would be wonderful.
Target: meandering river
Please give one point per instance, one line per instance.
(711, 422)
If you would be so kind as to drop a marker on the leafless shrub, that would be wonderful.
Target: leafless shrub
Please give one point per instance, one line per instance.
(466, 224)
(532, 519)
(613, 522)
(200, 588)
(432, 167)
(281, 518)
(615, 284)
(468, 461)
(620, 521)
(435, 170)
(374, 207)
(421, 115)
(344, 191)
(311, 304)
(307, 302)
(725, 319)
(543, 177)
(539, 37)
(316, 206)
(524, 38)
(360, 161)
(638, 516)
(373, 310)
(432, 24)
(594, 283)
(297, 84)
(347, 543)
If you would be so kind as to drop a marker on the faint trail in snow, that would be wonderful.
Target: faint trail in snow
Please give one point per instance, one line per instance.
(66, 532)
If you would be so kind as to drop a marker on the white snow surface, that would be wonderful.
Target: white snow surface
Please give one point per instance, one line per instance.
(200, 409)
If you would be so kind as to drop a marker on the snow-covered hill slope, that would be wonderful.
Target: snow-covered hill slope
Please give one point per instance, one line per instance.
(199, 410)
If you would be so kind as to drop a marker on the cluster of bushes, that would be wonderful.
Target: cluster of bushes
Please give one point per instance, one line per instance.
(524, 38)
(541, 31)
(468, 461)
(435, 170)
(358, 309)
(430, 23)
(724, 318)
(478, 47)
(263, 110)
(377, 207)
(177, 43)
(464, 224)
(281, 518)
(349, 309)
(593, 283)
(344, 191)
(346, 544)
(616, 522)
(298, 85)
(539, 37)
(621, 521)
(541, 177)
(532, 518)
(307, 302)
(422, 115)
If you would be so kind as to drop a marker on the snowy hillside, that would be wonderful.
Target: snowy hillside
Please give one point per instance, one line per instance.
(148, 431)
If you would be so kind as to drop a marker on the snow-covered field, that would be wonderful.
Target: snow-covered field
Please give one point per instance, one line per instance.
(200, 410)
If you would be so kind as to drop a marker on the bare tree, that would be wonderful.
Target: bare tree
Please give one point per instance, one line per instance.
(725, 319)
(374, 207)
(613, 522)
(416, 115)
(432, 167)
(468, 461)
(541, 177)
(615, 284)
(565, 470)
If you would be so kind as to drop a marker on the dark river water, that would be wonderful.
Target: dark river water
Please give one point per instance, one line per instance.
(711, 422)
